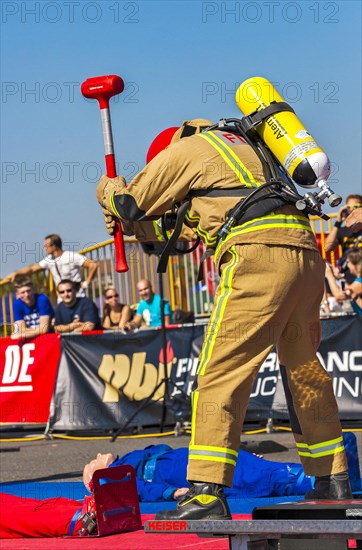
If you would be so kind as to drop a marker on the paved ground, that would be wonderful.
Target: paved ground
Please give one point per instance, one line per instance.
(62, 460)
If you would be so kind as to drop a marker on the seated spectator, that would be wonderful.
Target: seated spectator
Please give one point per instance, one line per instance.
(343, 234)
(32, 312)
(148, 310)
(330, 304)
(115, 315)
(74, 314)
(353, 290)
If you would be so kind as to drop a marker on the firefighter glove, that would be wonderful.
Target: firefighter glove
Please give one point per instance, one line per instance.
(107, 187)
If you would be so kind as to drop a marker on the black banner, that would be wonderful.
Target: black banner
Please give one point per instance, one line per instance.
(340, 353)
(104, 379)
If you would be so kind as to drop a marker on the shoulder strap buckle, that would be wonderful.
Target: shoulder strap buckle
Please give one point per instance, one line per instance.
(257, 117)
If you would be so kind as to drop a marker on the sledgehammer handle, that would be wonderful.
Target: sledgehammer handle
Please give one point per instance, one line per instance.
(121, 262)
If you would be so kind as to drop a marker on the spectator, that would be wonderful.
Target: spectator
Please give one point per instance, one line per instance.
(352, 291)
(334, 284)
(343, 235)
(74, 314)
(149, 308)
(354, 220)
(63, 264)
(32, 312)
(115, 315)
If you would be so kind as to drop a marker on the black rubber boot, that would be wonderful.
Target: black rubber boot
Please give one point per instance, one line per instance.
(202, 501)
(333, 487)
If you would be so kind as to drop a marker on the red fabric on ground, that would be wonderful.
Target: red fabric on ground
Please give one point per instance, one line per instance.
(30, 517)
(52, 517)
(135, 540)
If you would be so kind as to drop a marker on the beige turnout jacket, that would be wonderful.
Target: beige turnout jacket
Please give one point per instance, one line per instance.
(212, 160)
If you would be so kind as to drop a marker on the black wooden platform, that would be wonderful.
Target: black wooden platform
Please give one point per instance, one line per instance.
(301, 525)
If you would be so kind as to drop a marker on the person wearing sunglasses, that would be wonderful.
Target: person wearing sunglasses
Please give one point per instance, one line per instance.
(347, 234)
(74, 314)
(352, 291)
(115, 315)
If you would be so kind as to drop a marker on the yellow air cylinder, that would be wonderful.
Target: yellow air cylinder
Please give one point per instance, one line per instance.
(284, 134)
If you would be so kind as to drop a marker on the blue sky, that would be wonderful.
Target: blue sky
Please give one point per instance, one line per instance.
(179, 60)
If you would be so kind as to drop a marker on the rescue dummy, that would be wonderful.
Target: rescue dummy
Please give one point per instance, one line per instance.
(161, 476)
(271, 285)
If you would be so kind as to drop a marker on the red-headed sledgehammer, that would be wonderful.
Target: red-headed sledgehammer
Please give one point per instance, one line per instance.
(102, 88)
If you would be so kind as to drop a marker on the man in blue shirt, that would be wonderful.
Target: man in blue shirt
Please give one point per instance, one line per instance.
(32, 312)
(149, 309)
(74, 314)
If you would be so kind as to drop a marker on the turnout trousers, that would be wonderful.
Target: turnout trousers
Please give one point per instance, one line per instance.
(268, 296)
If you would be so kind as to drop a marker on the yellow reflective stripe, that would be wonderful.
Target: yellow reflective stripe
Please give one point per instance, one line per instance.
(194, 399)
(210, 241)
(323, 444)
(113, 206)
(202, 499)
(157, 231)
(271, 221)
(218, 311)
(324, 453)
(190, 218)
(211, 448)
(242, 173)
(324, 448)
(213, 459)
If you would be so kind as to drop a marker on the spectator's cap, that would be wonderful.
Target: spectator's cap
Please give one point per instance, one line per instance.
(174, 134)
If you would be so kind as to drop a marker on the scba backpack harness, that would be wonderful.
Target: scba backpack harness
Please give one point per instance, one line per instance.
(257, 200)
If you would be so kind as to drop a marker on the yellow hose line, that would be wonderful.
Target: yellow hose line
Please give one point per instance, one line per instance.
(261, 431)
(37, 438)
(95, 438)
(144, 436)
(109, 436)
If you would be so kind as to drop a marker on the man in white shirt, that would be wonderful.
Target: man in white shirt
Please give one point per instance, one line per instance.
(62, 264)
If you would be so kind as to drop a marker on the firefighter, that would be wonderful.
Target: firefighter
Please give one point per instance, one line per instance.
(271, 285)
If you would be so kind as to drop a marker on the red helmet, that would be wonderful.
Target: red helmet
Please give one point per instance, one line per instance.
(173, 134)
(160, 142)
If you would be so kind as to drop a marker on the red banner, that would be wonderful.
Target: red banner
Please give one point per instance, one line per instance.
(27, 376)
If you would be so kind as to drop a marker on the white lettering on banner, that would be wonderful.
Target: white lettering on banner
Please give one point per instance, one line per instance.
(339, 384)
(270, 363)
(353, 357)
(137, 379)
(27, 361)
(186, 365)
(17, 361)
(265, 386)
(182, 366)
(350, 361)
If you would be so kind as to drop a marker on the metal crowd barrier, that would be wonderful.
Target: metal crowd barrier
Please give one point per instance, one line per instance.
(181, 287)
